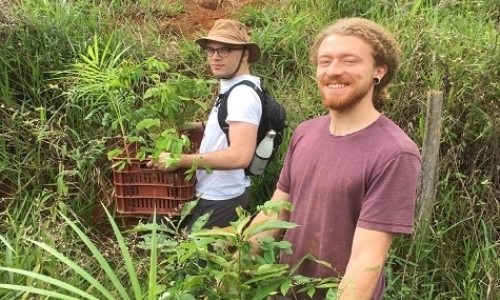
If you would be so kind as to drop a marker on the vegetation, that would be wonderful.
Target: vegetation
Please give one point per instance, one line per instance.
(54, 169)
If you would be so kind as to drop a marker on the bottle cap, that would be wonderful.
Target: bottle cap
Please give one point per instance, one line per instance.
(271, 134)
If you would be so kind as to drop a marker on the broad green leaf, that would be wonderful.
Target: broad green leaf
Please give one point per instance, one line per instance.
(275, 206)
(216, 259)
(190, 110)
(266, 290)
(193, 281)
(331, 294)
(114, 153)
(243, 223)
(284, 245)
(269, 256)
(285, 286)
(263, 269)
(226, 231)
(199, 223)
(147, 124)
(265, 239)
(311, 292)
(187, 208)
(267, 225)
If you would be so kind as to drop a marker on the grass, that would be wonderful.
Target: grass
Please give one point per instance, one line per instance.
(53, 150)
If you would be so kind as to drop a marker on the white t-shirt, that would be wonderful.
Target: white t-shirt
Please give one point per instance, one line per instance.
(243, 105)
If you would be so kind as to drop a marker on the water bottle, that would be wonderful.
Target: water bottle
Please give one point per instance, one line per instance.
(262, 153)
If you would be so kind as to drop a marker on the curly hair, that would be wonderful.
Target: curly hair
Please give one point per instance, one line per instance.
(386, 50)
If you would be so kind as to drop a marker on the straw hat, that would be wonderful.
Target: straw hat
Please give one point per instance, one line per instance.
(232, 33)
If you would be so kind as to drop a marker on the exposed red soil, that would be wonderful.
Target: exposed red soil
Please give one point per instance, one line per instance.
(199, 16)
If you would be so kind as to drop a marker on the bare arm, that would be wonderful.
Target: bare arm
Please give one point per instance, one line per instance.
(284, 215)
(238, 155)
(368, 256)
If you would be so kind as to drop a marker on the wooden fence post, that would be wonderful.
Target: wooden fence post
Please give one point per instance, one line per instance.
(430, 153)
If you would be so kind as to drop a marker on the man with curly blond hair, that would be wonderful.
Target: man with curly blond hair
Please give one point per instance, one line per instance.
(351, 175)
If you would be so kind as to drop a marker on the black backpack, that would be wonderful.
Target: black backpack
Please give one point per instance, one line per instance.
(273, 117)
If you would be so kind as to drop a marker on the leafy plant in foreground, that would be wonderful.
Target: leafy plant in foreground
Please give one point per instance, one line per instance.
(208, 263)
(145, 102)
(219, 263)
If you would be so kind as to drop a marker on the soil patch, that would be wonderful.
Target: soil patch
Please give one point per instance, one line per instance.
(200, 15)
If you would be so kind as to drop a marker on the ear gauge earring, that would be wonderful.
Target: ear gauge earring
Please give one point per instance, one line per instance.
(376, 80)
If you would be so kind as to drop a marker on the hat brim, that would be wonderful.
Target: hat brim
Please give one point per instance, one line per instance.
(253, 48)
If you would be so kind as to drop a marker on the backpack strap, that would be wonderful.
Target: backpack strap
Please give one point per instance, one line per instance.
(222, 103)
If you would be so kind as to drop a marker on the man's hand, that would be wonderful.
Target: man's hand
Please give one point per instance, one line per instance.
(162, 163)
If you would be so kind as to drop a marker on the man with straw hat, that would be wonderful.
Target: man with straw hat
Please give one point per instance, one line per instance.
(229, 53)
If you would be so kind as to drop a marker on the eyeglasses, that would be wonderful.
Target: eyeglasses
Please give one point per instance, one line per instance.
(222, 51)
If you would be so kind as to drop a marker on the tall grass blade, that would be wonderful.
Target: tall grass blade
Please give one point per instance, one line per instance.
(32, 290)
(90, 279)
(152, 290)
(51, 281)
(129, 263)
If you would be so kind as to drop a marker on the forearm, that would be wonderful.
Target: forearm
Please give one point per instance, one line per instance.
(225, 159)
(368, 255)
(360, 280)
(237, 156)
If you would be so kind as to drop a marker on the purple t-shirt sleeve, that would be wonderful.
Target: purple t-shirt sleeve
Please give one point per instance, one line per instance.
(389, 203)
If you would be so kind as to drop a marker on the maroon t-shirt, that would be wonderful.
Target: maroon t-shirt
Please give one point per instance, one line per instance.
(337, 183)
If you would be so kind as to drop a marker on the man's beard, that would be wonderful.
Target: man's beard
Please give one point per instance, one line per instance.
(351, 101)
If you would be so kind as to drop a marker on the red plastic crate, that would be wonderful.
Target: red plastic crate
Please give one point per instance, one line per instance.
(141, 190)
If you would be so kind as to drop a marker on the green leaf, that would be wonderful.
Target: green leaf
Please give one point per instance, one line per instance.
(147, 124)
(215, 232)
(265, 239)
(284, 245)
(216, 259)
(275, 206)
(190, 110)
(311, 292)
(265, 290)
(267, 268)
(266, 225)
(331, 294)
(285, 286)
(243, 223)
(269, 256)
(114, 153)
(200, 222)
(187, 208)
